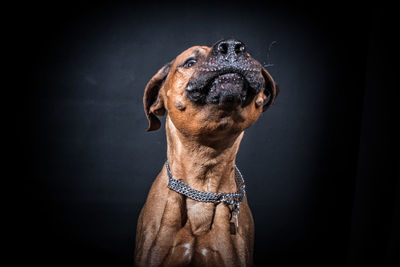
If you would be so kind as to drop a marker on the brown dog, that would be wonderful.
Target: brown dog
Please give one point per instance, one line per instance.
(212, 94)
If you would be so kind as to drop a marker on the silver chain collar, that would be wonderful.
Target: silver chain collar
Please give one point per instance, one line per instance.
(234, 199)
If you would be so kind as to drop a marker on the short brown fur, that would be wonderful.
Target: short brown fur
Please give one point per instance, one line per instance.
(202, 145)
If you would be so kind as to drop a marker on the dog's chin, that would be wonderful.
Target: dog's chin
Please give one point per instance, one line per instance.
(227, 91)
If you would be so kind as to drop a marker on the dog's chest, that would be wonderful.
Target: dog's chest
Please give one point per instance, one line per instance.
(205, 238)
(200, 216)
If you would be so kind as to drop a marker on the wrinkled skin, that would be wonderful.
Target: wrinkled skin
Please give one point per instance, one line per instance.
(211, 95)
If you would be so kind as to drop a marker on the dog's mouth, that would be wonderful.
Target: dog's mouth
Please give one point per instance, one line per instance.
(227, 86)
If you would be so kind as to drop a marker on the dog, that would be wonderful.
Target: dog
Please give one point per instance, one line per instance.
(196, 213)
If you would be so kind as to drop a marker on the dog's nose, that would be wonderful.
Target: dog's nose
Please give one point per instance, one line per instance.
(229, 48)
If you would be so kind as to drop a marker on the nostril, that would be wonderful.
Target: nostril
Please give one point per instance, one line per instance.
(229, 48)
(239, 48)
(223, 48)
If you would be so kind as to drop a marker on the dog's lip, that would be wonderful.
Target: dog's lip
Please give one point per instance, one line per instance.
(217, 72)
(233, 70)
(214, 78)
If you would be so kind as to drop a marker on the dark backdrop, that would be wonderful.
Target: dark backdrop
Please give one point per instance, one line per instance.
(320, 165)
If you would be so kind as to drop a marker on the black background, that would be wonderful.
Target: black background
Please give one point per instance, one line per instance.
(321, 165)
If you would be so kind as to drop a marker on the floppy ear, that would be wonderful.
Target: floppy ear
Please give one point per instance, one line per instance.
(271, 89)
(152, 101)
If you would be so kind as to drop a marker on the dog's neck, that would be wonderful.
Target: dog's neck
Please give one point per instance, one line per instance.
(207, 167)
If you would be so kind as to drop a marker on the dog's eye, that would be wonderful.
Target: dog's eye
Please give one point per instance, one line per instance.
(190, 62)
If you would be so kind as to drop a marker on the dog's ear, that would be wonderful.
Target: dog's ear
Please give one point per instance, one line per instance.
(152, 100)
(271, 89)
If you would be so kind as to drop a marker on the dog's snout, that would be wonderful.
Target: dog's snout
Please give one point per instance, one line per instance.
(229, 48)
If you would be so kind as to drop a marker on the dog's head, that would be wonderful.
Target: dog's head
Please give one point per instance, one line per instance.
(210, 90)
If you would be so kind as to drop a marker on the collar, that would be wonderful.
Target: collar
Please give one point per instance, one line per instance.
(233, 199)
